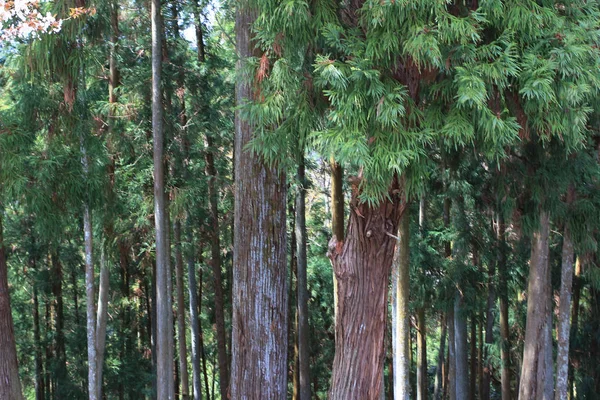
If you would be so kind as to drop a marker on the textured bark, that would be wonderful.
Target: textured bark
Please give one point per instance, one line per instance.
(215, 262)
(101, 319)
(400, 312)
(422, 382)
(451, 357)
(534, 371)
(337, 217)
(302, 286)
(575, 316)
(439, 375)
(181, 329)
(362, 264)
(503, 295)
(10, 385)
(260, 287)
(91, 304)
(461, 350)
(564, 316)
(164, 330)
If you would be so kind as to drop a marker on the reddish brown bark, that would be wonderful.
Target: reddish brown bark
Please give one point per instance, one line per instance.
(10, 385)
(362, 265)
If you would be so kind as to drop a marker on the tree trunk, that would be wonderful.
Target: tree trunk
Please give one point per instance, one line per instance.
(362, 265)
(451, 356)
(91, 303)
(60, 371)
(503, 295)
(194, 317)
(39, 368)
(181, 329)
(10, 385)
(473, 360)
(564, 313)
(575, 317)
(337, 217)
(534, 373)
(400, 311)
(302, 286)
(164, 330)
(260, 288)
(461, 350)
(101, 319)
(215, 249)
(489, 332)
(439, 375)
(422, 382)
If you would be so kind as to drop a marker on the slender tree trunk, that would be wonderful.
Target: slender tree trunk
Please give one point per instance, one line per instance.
(400, 311)
(575, 317)
(181, 329)
(260, 288)
(91, 303)
(60, 371)
(102, 317)
(10, 384)
(439, 375)
(503, 295)
(489, 332)
(164, 371)
(39, 367)
(194, 317)
(362, 264)
(564, 311)
(480, 357)
(534, 371)
(451, 356)
(473, 360)
(302, 285)
(461, 350)
(422, 382)
(215, 249)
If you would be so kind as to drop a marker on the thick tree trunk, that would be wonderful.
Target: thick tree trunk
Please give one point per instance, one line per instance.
(337, 217)
(461, 350)
(564, 316)
(215, 250)
(400, 311)
(302, 286)
(362, 264)
(575, 317)
(181, 329)
(260, 287)
(422, 382)
(164, 330)
(10, 384)
(503, 295)
(439, 375)
(534, 373)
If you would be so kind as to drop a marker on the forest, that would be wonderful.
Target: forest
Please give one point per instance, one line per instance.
(299, 199)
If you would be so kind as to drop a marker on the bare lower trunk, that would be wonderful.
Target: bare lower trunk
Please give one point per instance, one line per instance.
(564, 317)
(439, 376)
(362, 264)
(101, 318)
(461, 350)
(337, 216)
(302, 285)
(91, 306)
(575, 317)
(422, 382)
(260, 288)
(503, 295)
(489, 333)
(473, 360)
(10, 385)
(400, 312)
(181, 330)
(534, 371)
(451, 356)
(194, 318)
(215, 249)
(164, 330)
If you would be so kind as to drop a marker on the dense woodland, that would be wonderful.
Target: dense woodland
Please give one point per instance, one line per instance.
(306, 199)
